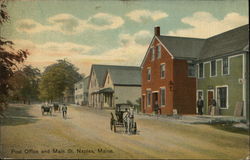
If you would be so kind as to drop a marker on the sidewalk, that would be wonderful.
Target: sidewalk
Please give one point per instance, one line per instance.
(240, 122)
(199, 119)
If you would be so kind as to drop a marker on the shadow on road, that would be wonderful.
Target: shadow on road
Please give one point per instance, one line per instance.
(16, 115)
(230, 128)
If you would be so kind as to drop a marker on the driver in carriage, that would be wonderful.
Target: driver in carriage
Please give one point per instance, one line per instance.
(126, 116)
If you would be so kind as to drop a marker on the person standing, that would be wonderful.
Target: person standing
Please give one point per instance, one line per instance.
(156, 107)
(64, 110)
(200, 104)
(213, 109)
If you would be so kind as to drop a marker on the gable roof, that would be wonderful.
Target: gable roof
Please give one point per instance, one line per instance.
(225, 43)
(195, 48)
(129, 76)
(182, 47)
(101, 70)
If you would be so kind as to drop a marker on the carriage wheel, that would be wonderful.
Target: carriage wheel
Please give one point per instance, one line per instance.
(114, 127)
(135, 128)
(111, 124)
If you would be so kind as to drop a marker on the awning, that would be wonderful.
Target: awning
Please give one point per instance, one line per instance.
(106, 90)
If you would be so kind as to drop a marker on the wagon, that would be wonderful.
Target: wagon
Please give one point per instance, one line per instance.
(124, 118)
(47, 109)
(56, 107)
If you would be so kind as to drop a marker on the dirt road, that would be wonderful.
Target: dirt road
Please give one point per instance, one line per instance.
(86, 133)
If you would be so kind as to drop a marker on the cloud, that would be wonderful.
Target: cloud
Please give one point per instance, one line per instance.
(68, 24)
(144, 15)
(205, 25)
(131, 50)
(104, 21)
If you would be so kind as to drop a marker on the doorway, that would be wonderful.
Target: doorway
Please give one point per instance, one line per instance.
(154, 100)
(210, 97)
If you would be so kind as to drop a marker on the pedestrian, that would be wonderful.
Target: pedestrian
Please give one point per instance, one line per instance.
(156, 107)
(213, 108)
(64, 110)
(126, 119)
(200, 104)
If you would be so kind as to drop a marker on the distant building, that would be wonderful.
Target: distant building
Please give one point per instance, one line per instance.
(176, 70)
(109, 85)
(81, 92)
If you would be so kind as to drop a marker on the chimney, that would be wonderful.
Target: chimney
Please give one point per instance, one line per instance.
(157, 31)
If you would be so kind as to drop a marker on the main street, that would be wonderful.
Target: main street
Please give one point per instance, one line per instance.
(86, 133)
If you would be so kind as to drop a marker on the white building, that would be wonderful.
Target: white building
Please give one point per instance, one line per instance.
(81, 92)
(110, 85)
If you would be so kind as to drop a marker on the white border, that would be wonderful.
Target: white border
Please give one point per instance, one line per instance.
(163, 87)
(228, 66)
(148, 89)
(150, 74)
(215, 68)
(152, 55)
(227, 104)
(198, 90)
(207, 96)
(165, 71)
(158, 45)
(199, 71)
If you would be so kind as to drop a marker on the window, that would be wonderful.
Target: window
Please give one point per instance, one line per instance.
(222, 97)
(158, 51)
(162, 70)
(213, 68)
(163, 96)
(191, 69)
(201, 73)
(225, 69)
(148, 98)
(149, 74)
(200, 94)
(152, 51)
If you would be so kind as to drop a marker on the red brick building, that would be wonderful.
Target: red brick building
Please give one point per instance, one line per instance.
(168, 74)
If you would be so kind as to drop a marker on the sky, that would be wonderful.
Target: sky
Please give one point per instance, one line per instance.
(113, 32)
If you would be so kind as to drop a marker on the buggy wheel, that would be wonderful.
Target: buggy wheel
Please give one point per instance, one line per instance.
(114, 126)
(135, 128)
(111, 124)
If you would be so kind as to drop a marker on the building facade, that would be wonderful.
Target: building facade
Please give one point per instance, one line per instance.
(176, 70)
(166, 80)
(81, 92)
(109, 85)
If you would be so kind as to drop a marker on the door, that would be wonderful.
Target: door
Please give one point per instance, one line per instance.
(199, 94)
(143, 104)
(155, 100)
(210, 97)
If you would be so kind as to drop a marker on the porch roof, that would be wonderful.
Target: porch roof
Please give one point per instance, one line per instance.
(106, 90)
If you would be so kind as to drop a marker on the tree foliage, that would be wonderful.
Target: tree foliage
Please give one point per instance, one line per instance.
(25, 84)
(57, 79)
(9, 58)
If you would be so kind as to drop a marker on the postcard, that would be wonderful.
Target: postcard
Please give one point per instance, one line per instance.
(124, 79)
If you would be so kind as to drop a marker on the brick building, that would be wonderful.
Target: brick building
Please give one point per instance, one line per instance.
(176, 70)
(168, 74)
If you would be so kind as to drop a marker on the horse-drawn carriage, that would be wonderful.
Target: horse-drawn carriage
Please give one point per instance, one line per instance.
(124, 119)
(56, 107)
(46, 108)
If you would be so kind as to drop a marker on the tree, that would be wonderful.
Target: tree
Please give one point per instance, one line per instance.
(25, 84)
(58, 79)
(9, 58)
